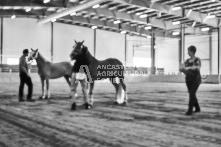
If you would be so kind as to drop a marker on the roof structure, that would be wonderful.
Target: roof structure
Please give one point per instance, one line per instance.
(135, 17)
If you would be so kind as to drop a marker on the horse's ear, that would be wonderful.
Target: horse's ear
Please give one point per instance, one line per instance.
(32, 49)
(36, 49)
(75, 41)
(82, 42)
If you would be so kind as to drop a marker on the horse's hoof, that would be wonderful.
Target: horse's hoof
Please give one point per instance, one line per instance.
(40, 98)
(88, 106)
(124, 103)
(73, 106)
(46, 97)
(116, 103)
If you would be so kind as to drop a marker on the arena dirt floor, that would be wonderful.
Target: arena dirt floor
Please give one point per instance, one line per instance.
(154, 117)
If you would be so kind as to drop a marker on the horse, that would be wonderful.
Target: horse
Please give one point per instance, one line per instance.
(95, 69)
(48, 70)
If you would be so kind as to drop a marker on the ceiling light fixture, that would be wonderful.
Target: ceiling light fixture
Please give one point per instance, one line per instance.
(148, 28)
(74, 13)
(94, 27)
(143, 15)
(205, 29)
(46, 1)
(176, 8)
(176, 22)
(27, 9)
(117, 21)
(13, 16)
(138, 13)
(96, 6)
(175, 33)
(211, 16)
(53, 20)
(123, 32)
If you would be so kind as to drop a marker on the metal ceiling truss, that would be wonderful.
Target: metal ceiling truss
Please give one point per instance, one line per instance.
(158, 13)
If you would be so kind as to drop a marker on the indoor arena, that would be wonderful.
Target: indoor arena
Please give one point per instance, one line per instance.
(110, 73)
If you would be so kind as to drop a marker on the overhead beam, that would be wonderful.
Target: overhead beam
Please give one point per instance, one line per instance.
(196, 16)
(105, 25)
(69, 11)
(166, 25)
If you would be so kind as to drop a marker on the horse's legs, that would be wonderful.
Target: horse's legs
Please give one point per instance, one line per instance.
(116, 89)
(42, 88)
(125, 90)
(47, 89)
(67, 78)
(91, 92)
(74, 84)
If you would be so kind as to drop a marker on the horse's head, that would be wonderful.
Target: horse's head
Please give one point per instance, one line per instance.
(78, 49)
(33, 54)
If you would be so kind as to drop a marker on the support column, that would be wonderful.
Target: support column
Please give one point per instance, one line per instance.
(152, 50)
(182, 45)
(52, 41)
(210, 52)
(125, 51)
(95, 35)
(1, 40)
(219, 51)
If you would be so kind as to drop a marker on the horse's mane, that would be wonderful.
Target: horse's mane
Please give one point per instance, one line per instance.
(87, 53)
(43, 59)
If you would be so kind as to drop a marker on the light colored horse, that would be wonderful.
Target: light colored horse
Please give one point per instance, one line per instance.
(48, 70)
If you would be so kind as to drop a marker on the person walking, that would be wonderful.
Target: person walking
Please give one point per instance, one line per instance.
(24, 77)
(191, 69)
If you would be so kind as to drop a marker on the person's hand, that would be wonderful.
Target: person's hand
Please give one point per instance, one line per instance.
(181, 69)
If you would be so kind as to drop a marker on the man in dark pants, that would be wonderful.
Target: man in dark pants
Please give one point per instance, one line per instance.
(24, 77)
(193, 79)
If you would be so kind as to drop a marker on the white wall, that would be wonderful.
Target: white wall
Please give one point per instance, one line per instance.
(214, 53)
(202, 45)
(110, 45)
(64, 36)
(166, 51)
(138, 47)
(21, 33)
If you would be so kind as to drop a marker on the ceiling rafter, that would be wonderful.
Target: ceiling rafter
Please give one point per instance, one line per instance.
(196, 16)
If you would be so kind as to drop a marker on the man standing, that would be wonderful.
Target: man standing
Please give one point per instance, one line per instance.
(24, 77)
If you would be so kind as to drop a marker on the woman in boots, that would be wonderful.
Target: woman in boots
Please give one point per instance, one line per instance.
(193, 79)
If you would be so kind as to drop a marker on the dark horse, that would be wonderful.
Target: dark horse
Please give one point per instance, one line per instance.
(100, 69)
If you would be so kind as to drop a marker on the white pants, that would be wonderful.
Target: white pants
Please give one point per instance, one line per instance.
(75, 78)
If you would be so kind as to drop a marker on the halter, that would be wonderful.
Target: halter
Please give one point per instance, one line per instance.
(31, 57)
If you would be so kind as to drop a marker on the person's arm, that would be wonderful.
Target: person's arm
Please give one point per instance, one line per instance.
(183, 67)
(196, 66)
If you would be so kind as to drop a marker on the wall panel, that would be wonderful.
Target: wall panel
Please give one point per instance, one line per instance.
(166, 51)
(21, 33)
(203, 50)
(64, 36)
(110, 45)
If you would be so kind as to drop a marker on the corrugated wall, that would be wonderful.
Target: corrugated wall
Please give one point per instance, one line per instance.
(21, 33)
